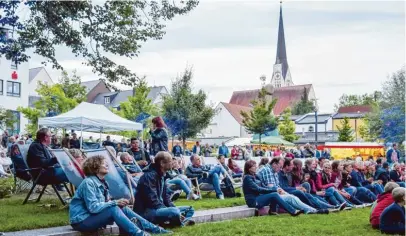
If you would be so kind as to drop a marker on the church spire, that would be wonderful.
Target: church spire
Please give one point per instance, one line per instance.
(281, 74)
(281, 57)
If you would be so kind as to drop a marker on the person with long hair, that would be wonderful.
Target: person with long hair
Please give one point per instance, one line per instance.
(92, 207)
(260, 197)
(159, 136)
(232, 165)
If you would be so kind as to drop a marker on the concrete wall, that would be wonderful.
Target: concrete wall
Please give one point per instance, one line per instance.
(12, 102)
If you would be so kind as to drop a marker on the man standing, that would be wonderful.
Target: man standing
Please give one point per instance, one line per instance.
(223, 150)
(177, 150)
(206, 150)
(74, 142)
(4, 139)
(196, 149)
(393, 155)
(152, 200)
(108, 142)
(140, 156)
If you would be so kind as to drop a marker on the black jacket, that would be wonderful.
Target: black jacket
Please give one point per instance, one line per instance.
(151, 192)
(395, 176)
(159, 141)
(39, 156)
(252, 189)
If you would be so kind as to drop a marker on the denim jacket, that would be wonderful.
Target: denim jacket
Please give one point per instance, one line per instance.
(89, 199)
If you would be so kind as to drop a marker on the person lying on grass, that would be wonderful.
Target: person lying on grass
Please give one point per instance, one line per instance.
(392, 219)
(92, 208)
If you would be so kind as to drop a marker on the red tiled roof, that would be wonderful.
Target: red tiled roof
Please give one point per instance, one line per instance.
(355, 109)
(235, 111)
(287, 96)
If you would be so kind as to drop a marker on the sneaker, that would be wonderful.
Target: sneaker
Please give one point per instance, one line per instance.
(175, 195)
(368, 204)
(192, 196)
(190, 223)
(221, 197)
(297, 212)
(342, 206)
(322, 211)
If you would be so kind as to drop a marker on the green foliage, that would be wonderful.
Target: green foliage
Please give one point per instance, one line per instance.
(354, 100)
(7, 119)
(6, 187)
(136, 105)
(345, 131)
(393, 90)
(304, 106)
(72, 87)
(286, 127)
(92, 31)
(188, 109)
(32, 115)
(260, 119)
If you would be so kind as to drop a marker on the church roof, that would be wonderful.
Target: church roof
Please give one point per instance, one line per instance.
(281, 57)
(235, 111)
(287, 96)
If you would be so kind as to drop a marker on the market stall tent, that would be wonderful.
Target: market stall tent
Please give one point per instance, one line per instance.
(273, 140)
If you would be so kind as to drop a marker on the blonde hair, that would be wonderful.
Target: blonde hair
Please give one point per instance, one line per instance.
(75, 152)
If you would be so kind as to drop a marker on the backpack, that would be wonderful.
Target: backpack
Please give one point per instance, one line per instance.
(227, 188)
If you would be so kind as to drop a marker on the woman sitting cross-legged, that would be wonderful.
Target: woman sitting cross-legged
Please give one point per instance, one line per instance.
(392, 220)
(383, 201)
(91, 208)
(259, 197)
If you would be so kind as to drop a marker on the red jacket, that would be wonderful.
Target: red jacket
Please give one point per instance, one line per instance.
(320, 184)
(234, 153)
(383, 201)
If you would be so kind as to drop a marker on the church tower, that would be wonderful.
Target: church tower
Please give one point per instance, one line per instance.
(281, 74)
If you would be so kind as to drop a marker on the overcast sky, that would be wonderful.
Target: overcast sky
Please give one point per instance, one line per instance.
(339, 47)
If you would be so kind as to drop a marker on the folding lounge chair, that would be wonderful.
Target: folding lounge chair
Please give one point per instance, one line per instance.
(118, 188)
(70, 166)
(25, 173)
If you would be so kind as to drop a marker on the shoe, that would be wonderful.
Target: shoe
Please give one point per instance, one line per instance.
(190, 223)
(272, 213)
(221, 197)
(368, 204)
(192, 196)
(297, 212)
(322, 211)
(175, 195)
(342, 206)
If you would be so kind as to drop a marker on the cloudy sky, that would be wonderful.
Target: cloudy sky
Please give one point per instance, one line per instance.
(338, 46)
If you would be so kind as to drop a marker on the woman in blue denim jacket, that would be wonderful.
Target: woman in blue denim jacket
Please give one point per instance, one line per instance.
(91, 208)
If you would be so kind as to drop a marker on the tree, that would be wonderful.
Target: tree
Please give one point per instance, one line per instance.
(72, 87)
(304, 106)
(32, 114)
(92, 31)
(354, 100)
(393, 91)
(260, 119)
(138, 107)
(393, 120)
(7, 118)
(185, 112)
(345, 131)
(286, 126)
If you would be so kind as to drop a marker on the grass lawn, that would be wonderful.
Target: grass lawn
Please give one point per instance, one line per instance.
(354, 222)
(15, 217)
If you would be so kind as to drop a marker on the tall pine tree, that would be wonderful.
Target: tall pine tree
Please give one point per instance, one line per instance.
(304, 106)
(345, 131)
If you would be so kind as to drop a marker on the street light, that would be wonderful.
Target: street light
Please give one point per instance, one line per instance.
(315, 107)
(356, 133)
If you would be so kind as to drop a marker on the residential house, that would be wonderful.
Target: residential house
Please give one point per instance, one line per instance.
(307, 123)
(36, 76)
(355, 115)
(94, 88)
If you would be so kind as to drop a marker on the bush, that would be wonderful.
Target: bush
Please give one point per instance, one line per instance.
(6, 187)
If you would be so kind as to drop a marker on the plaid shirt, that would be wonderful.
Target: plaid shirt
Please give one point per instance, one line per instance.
(268, 176)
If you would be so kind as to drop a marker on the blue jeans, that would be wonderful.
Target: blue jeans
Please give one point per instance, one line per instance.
(365, 195)
(297, 204)
(334, 196)
(181, 183)
(273, 200)
(318, 203)
(401, 184)
(122, 217)
(214, 178)
(171, 214)
(375, 188)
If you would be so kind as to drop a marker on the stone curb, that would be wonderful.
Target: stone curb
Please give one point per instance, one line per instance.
(203, 216)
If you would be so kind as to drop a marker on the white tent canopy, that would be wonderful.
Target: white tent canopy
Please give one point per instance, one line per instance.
(90, 117)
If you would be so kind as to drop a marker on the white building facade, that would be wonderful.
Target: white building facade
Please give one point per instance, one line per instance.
(307, 123)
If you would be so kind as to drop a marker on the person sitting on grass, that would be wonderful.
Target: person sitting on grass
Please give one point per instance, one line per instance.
(396, 175)
(139, 155)
(132, 167)
(152, 199)
(358, 179)
(236, 171)
(362, 193)
(392, 219)
(384, 200)
(206, 174)
(92, 208)
(260, 197)
(382, 175)
(175, 178)
(264, 161)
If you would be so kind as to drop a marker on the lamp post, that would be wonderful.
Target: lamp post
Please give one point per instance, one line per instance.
(356, 130)
(316, 121)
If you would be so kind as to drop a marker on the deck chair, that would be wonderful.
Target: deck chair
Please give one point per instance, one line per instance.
(118, 188)
(25, 173)
(69, 165)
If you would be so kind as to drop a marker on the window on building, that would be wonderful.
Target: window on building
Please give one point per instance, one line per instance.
(14, 65)
(106, 100)
(1, 87)
(13, 89)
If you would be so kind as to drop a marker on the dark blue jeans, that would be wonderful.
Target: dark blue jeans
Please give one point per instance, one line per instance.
(365, 195)
(171, 214)
(122, 217)
(273, 200)
(335, 197)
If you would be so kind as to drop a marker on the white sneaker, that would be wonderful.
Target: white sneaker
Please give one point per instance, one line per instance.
(221, 197)
(192, 196)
